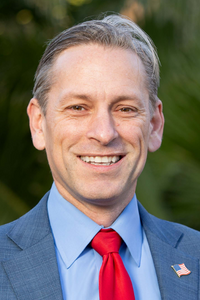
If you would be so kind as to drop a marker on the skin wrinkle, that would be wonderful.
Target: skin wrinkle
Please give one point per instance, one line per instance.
(104, 80)
(112, 32)
(57, 66)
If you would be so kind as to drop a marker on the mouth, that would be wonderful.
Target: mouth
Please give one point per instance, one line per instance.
(101, 160)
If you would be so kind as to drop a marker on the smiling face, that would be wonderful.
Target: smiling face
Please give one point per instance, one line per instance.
(98, 127)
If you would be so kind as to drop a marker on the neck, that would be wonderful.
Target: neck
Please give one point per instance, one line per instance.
(103, 212)
(103, 216)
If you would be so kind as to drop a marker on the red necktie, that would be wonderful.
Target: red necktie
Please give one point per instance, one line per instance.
(114, 281)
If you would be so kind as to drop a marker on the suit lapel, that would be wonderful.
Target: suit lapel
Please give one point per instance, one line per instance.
(33, 270)
(171, 286)
(163, 245)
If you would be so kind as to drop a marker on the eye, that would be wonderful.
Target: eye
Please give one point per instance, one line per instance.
(128, 109)
(77, 108)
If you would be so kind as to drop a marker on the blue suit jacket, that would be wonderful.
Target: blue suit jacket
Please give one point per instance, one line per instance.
(28, 269)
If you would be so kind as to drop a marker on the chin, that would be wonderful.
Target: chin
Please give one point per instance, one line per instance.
(101, 198)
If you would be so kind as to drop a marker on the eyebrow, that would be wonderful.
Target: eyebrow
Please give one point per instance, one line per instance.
(89, 98)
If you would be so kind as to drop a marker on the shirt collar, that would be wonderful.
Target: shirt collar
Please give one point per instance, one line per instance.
(129, 227)
(70, 224)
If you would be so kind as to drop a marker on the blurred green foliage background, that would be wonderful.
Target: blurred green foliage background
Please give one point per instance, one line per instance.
(170, 184)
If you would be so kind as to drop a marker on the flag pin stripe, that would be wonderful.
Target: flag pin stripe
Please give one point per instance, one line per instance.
(180, 269)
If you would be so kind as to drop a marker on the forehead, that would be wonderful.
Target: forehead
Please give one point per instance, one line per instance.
(98, 70)
(85, 54)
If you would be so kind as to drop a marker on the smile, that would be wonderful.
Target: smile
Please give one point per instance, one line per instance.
(100, 160)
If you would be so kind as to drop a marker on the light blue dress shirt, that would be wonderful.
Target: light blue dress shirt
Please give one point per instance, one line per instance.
(79, 264)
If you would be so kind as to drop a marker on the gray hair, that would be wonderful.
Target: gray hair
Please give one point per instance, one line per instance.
(111, 31)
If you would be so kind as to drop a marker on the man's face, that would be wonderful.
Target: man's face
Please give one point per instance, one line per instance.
(98, 127)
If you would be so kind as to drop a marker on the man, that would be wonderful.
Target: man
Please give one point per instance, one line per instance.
(96, 113)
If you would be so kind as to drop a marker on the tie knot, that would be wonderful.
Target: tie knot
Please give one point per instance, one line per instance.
(106, 241)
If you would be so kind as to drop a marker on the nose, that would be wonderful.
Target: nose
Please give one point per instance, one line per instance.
(102, 128)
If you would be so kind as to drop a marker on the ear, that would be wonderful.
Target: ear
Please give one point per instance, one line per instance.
(36, 120)
(156, 127)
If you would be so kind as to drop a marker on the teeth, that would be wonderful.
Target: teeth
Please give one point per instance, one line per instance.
(87, 159)
(114, 159)
(97, 159)
(105, 159)
(100, 160)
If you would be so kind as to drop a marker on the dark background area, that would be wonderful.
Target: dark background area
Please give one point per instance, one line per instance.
(170, 184)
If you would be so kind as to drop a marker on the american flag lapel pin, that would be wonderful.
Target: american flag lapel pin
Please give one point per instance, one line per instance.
(180, 269)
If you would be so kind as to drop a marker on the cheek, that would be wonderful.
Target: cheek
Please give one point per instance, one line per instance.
(135, 132)
(67, 135)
